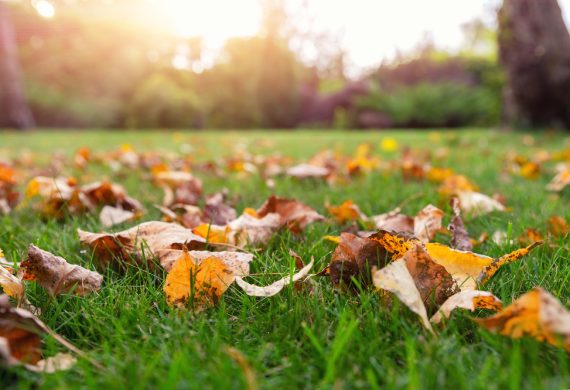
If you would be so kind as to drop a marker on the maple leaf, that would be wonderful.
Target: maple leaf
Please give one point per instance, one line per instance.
(203, 282)
(537, 314)
(57, 276)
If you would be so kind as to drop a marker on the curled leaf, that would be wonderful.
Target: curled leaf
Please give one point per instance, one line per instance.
(292, 213)
(57, 276)
(396, 279)
(427, 223)
(276, 287)
(537, 314)
(460, 238)
(470, 300)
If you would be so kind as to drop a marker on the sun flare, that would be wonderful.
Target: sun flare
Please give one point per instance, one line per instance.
(214, 20)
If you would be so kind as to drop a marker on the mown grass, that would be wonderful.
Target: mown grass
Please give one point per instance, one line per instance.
(317, 338)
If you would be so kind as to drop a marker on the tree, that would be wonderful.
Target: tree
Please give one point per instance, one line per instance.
(14, 111)
(534, 47)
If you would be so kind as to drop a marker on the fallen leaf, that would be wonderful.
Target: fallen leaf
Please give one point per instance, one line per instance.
(57, 276)
(470, 300)
(111, 216)
(202, 283)
(140, 242)
(432, 280)
(557, 226)
(476, 204)
(179, 187)
(216, 211)
(354, 257)
(20, 340)
(460, 238)
(237, 262)
(294, 214)
(394, 221)
(213, 233)
(427, 223)
(396, 278)
(492, 268)
(397, 244)
(254, 231)
(276, 287)
(347, 211)
(560, 181)
(537, 314)
(305, 171)
(11, 285)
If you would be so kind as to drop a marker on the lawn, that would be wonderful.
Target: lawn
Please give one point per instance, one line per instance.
(310, 339)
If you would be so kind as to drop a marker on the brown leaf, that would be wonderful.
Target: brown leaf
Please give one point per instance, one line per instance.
(141, 242)
(557, 226)
(217, 212)
(354, 257)
(294, 214)
(536, 314)
(427, 223)
(394, 221)
(255, 231)
(57, 276)
(432, 280)
(179, 187)
(460, 238)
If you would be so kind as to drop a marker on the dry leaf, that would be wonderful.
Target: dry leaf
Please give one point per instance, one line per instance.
(469, 300)
(396, 279)
(238, 262)
(11, 285)
(427, 223)
(20, 340)
(254, 231)
(354, 257)
(432, 280)
(204, 282)
(294, 214)
(536, 314)
(397, 244)
(111, 216)
(141, 242)
(557, 226)
(347, 211)
(460, 238)
(304, 171)
(179, 187)
(560, 181)
(276, 287)
(57, 276)
(476, 204)
(217, 212)
(492, 268)
(394, 221)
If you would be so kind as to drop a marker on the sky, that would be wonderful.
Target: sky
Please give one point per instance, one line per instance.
(369, 31)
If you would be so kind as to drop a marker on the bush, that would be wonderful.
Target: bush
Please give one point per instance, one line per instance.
(435, 105)
(162, 102)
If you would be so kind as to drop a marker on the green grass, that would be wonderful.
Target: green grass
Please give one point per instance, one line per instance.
(313, 339)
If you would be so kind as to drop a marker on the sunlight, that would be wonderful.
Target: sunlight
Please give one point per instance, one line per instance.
(44, 8)
(215, 21)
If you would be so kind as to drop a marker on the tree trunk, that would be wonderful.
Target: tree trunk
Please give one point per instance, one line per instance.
(534, 47)
(14, 111)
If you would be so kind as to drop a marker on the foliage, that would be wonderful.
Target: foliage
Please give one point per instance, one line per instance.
(435, 105)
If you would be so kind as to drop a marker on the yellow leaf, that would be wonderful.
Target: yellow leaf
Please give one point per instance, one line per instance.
(347, 211)
(211, 233)
(396, 244)
(205, 282)
(492, 268)
(536, 314)
(333, 239)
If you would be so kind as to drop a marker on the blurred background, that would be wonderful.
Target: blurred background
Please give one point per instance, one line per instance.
(358, 64)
